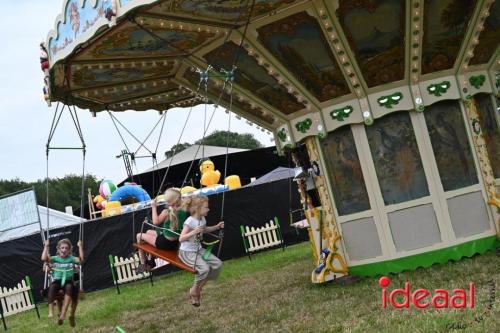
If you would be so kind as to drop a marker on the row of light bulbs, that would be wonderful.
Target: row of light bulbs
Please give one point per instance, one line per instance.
(346, 64)
(341, 53)
(181, 26)
(105, 90)
(274, 73)
(132, 64)
(244, 99)
(479, 28)
(416, 35)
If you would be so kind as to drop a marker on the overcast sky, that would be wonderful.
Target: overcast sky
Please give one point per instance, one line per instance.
(25, 118)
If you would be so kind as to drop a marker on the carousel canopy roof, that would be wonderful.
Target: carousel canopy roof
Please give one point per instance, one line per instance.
(301, 65)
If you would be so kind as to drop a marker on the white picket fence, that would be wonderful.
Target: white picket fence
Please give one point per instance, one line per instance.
(17, 299)
(255, 239)
(123, 269)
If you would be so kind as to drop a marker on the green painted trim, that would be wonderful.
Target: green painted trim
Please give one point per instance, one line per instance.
(112, 265)
(438, 89)
(440, 256)
(281, 135)
(341, 113)
(477, 81)
(28, 282)
(242, 228)
(389, 100)
(277, 222)
(304, 125)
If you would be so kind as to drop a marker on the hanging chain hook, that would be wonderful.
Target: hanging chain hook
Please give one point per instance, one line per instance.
(229, 74)
(204, 75)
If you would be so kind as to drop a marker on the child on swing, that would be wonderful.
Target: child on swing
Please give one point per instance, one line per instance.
(58, 299)
(167, 238)
(190, 250)
(62, 272)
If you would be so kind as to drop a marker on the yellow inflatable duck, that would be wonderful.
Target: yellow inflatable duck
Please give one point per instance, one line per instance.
(187, 189)
(209, 176)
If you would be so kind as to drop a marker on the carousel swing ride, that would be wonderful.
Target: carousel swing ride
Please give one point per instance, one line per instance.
(395, 101)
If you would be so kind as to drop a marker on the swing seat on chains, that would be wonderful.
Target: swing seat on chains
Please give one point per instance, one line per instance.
(167, 255)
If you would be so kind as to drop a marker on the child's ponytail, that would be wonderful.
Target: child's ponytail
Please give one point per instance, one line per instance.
(171, 196)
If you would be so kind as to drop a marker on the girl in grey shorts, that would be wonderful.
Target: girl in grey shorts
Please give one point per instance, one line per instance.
(190, 250)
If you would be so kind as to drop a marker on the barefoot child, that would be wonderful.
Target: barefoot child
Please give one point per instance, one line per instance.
(191, 252)
(62, 266)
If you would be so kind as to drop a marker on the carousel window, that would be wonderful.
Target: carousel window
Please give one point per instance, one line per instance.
(342, 161)
(397, 161)
(491, 132)
(450, 145)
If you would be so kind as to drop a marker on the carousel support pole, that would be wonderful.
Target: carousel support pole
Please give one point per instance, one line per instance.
(484, 160)
(330, 258)
(303, 201)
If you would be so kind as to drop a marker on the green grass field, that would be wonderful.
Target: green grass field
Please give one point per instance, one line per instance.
(273, 293)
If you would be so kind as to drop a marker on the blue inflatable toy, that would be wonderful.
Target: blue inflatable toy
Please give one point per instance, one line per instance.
(130, 193)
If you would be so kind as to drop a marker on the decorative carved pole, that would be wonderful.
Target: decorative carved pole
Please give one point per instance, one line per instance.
(333, 253)
(303, 200)
(484, 160)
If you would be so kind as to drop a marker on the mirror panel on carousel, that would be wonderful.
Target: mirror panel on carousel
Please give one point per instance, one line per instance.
(491, 129)
(395, 154)
(345, 173)
(457, 170)
(411, 216)
(350, 194)
(450, 144)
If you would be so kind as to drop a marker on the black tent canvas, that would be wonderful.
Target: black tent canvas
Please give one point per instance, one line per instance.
(277, 174)
(252, 206)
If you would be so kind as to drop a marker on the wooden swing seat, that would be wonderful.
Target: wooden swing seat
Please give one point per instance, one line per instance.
(167, 255)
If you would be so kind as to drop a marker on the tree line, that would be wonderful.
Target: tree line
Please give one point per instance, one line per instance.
(63, 191)
(220, 139)
(66, 191)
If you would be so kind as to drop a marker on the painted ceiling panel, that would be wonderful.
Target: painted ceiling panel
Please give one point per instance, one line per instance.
(115, 94)
(91, 75)
(253, 77)
(299, 44)
(129, 64)
(489, 38)
(234, 11)
(154, 40)
(216, 90)
(375, 30)
(445, 23)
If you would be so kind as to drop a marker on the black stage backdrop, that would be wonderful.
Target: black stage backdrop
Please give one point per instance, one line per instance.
(252, 206)
(245, 164)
